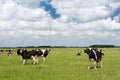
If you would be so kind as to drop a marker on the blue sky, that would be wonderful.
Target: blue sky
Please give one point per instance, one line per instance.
(59, 22)
(49, 8)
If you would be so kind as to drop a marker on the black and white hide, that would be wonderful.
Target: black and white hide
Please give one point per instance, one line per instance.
(29, 55)
(10, 52)
(45, 54)
(94, 56)
(1, 51)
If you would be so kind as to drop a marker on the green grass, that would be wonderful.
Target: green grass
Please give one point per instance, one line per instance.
(61, 64)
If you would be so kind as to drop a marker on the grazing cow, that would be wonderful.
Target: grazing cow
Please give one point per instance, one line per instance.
(78, 54)
(1, 51)
(94, 55)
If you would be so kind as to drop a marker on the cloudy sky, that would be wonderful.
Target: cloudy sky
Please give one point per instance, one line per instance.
(59, 22)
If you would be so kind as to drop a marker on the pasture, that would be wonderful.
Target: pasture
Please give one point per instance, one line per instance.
(61, 64)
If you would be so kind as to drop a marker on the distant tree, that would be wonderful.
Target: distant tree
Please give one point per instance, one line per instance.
(102, 46)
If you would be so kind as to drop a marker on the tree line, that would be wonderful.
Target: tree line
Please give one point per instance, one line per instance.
(94, 46)
(102, 46)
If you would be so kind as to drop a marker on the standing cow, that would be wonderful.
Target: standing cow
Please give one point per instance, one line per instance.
(1, 51)
(10, 52)
(27, 55)
(45, 54)
(95, 56)
(34, 54)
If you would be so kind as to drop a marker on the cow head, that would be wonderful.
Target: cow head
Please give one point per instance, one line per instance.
(87, 50)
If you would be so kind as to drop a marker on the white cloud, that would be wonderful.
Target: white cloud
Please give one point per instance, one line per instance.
(82, 22)
(31, 14)
(8, 10)
(86, 10)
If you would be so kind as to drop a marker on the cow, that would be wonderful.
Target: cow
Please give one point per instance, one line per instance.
(34, 54)
(1, 51)
(45, 54)
(10, 52)
(29, 55)
(78, 54)
(95, 56)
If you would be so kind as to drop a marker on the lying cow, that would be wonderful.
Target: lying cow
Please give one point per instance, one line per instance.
(78, 54)
(94, 55)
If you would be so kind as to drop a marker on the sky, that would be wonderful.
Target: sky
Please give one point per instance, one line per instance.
(59, 22)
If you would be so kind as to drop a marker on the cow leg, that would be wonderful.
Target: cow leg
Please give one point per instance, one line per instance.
(44, 59)
(89, 64)
(35, 60)
(101, 64)
(89, 67)
(24, 61)
(95, 64)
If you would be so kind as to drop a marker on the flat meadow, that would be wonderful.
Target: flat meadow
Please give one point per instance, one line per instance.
(61, 64)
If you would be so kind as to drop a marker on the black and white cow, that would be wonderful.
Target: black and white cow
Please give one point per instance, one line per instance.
(1, 51)
(34, 54)
(78, 54)
(27, 55)
(45, 53)
(95, 56)
(10, 52)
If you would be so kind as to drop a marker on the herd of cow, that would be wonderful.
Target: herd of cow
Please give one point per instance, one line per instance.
(25, 54)
(9, 51)
(94, 55)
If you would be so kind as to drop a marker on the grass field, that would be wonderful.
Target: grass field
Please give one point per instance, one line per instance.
(61, 64)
